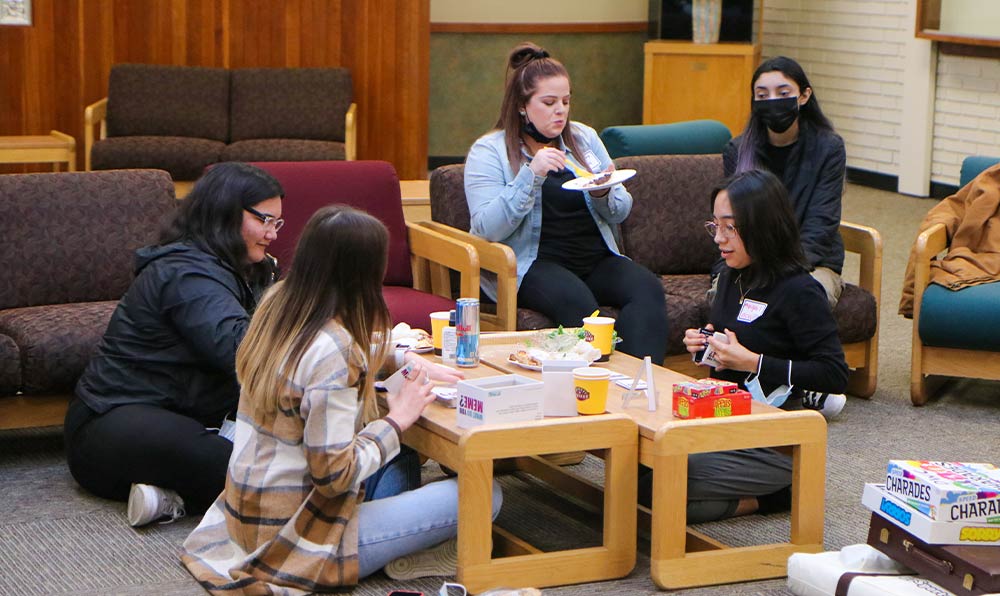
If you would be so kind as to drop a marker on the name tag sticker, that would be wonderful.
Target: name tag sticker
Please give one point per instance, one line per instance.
(751, 311)
(592, 162)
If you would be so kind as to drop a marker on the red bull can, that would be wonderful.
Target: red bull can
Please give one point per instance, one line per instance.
(467, 332)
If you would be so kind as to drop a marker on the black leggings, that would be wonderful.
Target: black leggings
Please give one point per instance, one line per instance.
(146, 444)
(559, 294)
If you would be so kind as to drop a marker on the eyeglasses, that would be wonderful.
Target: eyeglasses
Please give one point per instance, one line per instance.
(269, 221)
(728, 230)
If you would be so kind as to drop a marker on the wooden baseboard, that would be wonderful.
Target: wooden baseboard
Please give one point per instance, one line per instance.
(29, 411)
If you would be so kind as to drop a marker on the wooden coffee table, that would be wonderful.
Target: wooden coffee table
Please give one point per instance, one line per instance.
(55, 148)
(682, 557)
(471, 453)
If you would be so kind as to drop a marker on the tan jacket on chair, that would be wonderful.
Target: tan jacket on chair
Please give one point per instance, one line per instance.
(972, 219)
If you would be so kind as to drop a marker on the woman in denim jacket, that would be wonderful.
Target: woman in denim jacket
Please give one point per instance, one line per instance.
(568, 261)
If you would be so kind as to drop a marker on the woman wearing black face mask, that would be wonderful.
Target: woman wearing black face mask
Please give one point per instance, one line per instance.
(788, 134)
(568, 261)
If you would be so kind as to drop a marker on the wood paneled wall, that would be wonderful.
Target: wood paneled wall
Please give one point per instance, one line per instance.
(52, 70)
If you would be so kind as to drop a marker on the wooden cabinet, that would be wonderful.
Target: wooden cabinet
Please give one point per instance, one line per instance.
(689, 81)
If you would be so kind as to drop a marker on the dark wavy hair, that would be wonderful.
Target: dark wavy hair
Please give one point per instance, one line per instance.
(766, 224)
(755, 133)
(211, 217)
(527, 64)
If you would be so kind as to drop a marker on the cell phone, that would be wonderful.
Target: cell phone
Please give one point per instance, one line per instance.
(405, 593)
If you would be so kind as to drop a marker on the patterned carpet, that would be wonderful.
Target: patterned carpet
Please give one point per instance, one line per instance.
(56, 539)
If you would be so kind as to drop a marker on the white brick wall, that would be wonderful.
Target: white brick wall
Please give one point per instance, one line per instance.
(852, 51)
(966, 113)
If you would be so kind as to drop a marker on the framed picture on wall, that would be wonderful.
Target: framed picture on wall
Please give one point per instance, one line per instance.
(15, 12)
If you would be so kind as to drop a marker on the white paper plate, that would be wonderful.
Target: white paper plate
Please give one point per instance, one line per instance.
(583, 183)
(525, 366)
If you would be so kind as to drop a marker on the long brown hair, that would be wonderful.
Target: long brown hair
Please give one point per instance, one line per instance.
(527, 64)
(337, 274)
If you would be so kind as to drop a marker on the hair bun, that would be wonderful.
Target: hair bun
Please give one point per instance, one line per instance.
(525, 53)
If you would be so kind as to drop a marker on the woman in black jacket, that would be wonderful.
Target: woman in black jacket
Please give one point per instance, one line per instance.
(788, 135)
(780, 342)
(142, 424)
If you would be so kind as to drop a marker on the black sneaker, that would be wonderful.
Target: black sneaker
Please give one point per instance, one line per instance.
(828, 404)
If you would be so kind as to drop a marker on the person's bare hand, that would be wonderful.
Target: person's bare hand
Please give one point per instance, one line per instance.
(435, 372)
(546, 160)
(414, 395)
(733, 355)
(695, 341)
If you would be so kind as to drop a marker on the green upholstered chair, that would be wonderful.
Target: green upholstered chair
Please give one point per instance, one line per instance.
(693, 137)
(939, 312)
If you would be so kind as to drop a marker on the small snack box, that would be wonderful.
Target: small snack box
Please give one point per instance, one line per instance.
(709, 398)
(493, 400)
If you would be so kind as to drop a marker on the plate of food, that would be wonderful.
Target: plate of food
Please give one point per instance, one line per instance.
(415, 340)
(559, 344)
(599, 181)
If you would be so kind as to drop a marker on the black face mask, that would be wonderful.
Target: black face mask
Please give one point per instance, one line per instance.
(777, 114)
(528, 128)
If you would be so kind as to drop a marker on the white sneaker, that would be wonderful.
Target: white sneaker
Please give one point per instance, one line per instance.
(828, 404)
(436, 560)
(148, 503)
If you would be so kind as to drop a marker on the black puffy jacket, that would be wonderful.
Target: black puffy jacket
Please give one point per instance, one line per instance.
(172, 340)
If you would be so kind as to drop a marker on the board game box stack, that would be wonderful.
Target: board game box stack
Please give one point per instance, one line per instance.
(709, 398)
(941, 519)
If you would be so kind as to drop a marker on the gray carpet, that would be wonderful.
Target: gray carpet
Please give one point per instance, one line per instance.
(56, 539)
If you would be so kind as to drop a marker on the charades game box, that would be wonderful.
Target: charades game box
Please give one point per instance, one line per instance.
(930, 531)
(492, 400)
(947, 491)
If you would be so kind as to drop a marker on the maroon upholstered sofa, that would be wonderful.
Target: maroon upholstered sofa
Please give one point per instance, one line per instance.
(184, 118)
(416, 279)
(69, 240)
(665, 232)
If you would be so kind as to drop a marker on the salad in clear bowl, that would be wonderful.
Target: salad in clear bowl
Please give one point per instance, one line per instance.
(556, 344)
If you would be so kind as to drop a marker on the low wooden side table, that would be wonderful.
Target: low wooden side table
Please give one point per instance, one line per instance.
(55, 148)
(472, 451)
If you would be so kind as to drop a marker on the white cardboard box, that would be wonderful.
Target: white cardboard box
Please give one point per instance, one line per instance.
(494, 400)
(560, 396)
(881, 501)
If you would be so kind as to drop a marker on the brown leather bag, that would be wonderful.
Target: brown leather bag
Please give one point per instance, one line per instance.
(961, 569)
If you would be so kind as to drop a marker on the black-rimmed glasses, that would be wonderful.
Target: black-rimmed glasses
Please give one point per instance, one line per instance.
(728, 230)
(269, 221)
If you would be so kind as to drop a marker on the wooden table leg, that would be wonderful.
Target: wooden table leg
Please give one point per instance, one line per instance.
(614, 558)
(673, 568)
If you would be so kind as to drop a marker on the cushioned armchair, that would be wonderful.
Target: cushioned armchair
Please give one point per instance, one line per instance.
(665, 233)
(955, 333)
(417, 280)
(184, 118)
(693, 137)
(68, 259)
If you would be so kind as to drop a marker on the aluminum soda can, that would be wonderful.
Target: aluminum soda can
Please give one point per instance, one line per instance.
(467, 332)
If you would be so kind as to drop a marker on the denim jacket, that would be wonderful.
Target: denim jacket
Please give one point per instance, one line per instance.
(507, 208)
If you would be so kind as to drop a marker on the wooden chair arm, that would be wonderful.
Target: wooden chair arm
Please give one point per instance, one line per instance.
(95, 113)
(930, 243)
(497, 258)
(867, 242)
(351, 133)
(433, 255)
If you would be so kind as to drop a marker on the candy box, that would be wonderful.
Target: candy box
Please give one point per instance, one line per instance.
(712, 405)
(505, 398)
(947, 491)
(722, 386)
(697, 389)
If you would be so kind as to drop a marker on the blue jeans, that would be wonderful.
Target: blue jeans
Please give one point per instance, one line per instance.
(391, 525)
